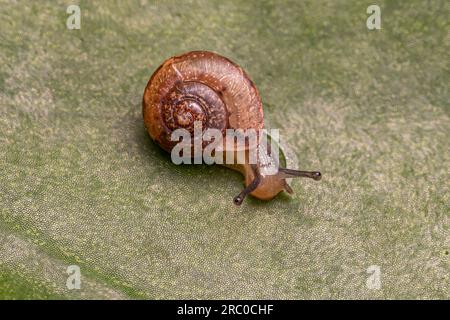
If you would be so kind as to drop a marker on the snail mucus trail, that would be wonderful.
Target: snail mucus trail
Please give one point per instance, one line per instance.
(204, 87)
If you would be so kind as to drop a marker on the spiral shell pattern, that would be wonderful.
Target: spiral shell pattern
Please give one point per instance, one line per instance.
(199, 86)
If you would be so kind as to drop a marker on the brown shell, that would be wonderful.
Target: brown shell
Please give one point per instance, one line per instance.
(203, 86)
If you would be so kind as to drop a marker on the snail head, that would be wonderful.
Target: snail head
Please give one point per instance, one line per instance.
(266, 187)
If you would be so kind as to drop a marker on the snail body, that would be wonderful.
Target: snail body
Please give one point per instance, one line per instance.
(201, 87)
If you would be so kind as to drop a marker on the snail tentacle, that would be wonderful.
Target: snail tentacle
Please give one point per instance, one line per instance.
(290, 173)
(251, 187)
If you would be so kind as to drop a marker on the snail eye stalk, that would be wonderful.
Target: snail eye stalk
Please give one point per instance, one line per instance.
(252, 186)
(289, 173)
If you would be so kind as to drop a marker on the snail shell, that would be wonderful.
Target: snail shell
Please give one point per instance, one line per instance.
(200, 86)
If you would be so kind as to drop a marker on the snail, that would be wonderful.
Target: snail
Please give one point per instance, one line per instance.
(204, 87)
